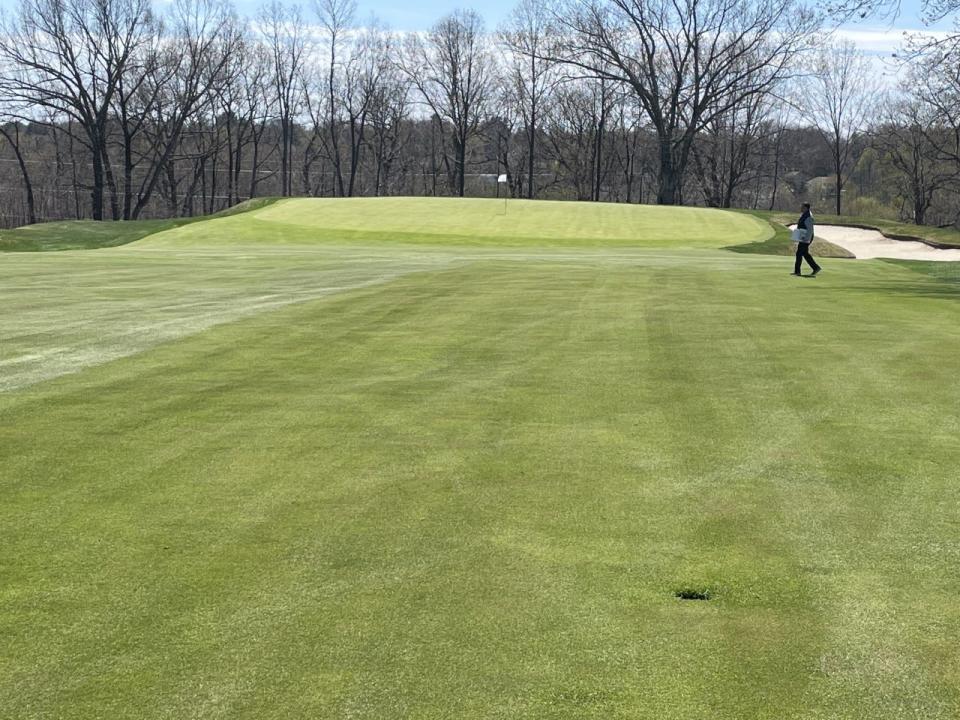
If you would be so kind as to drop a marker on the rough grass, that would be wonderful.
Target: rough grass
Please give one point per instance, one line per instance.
(474, 488)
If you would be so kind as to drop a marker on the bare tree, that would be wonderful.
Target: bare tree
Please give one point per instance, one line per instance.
(935, 82)
(389, 110)
(69, 56)
(581, 111)
(775, 147)
(629, 150)
(841, 96)
(903, 137)
(918, 131)
(336, 17)
(286, 36)
(726, 152)
(258, 106)
(531, 78)
(137, 88)
(686, 62)
(243, 105)
(204, 36)
(11, 132)
(453, 71)
(114, 111)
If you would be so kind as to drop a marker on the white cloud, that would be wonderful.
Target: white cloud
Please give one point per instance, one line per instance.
(884, 41)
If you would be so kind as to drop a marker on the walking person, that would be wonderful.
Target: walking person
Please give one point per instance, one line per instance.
(805, 237)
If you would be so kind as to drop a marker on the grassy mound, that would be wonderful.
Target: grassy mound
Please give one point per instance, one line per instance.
(90, 234)
(454, 221)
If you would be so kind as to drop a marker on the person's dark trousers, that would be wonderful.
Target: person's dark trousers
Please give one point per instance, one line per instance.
(803, 253)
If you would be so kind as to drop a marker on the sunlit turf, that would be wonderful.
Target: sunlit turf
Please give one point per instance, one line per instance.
(476, 222)
(380, 479)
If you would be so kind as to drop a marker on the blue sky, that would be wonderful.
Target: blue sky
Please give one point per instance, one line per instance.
(876, 36)
(420, 14)
(413, 15)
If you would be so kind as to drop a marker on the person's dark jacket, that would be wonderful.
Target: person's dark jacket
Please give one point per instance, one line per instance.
(805, 223)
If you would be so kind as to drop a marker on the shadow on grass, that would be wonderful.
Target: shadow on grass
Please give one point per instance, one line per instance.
(784, 246)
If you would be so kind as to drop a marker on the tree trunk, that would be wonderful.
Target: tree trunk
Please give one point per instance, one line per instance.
(776, 168)
(127, 176)
(111, 182)
(919, 208)
(732, 173)
(254, 167)
(284, 157)
(839, 189)
(461, 161)
(531, 149)
(433, 160)
(96, 191)
(377, 189)
(357, 133)
(171, 173)
(668, 192)
(334, 132)
(27, 185)
(73, 172)
(214, 183)
(598, 146)
(532, 130)
(230, 184)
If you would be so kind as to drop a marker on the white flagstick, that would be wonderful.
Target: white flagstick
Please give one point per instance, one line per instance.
(502, 180)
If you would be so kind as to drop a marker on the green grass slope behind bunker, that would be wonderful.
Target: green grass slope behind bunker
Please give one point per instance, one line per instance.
(459, 221)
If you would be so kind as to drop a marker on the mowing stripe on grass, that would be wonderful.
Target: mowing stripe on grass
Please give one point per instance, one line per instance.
(345, 465)
(473, 492)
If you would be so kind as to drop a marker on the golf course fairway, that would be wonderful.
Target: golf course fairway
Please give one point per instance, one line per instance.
(415, 458)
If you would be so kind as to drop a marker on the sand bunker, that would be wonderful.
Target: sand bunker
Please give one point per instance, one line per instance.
(866, 244)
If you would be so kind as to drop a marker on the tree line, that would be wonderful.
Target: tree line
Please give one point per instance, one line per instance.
(109, 110)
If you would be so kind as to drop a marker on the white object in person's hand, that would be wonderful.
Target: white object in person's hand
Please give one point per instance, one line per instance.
(799, 235)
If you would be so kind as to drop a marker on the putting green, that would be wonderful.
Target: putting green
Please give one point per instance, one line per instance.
(449, 221)
(379, 479)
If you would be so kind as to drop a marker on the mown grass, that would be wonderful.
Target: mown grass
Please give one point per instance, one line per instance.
(471, 222)
(947, 273)
(91, 234)
(470, 480)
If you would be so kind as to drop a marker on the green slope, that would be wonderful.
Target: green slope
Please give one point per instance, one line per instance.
(455, 221)
(91, 234)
